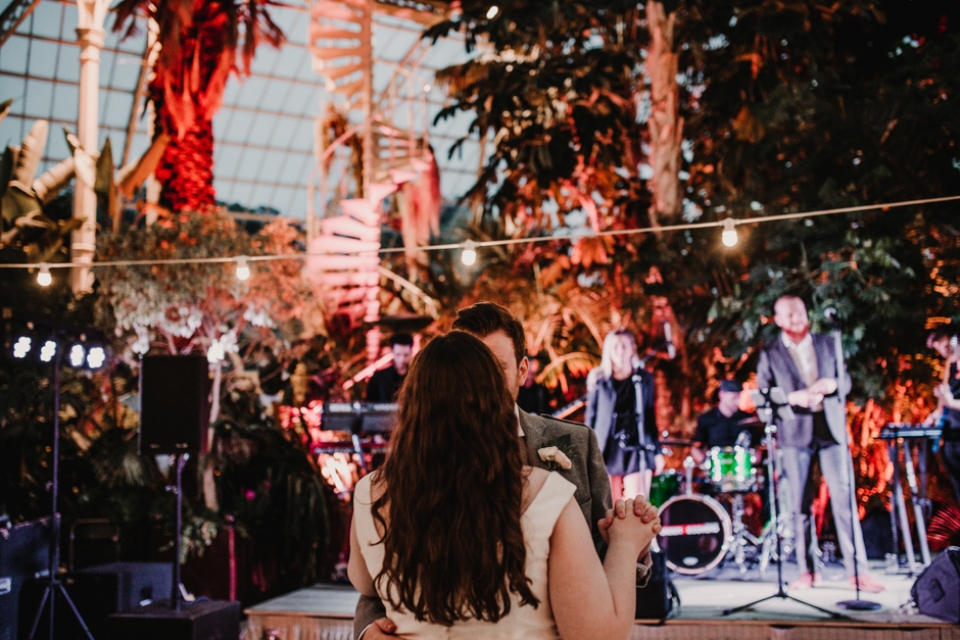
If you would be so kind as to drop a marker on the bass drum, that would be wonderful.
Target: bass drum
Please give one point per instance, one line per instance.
(695, 535)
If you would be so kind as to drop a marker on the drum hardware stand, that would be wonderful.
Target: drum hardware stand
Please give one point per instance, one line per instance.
(688, 465)
(55, 586)
(857, 604)
(741, 536)
(766, 400)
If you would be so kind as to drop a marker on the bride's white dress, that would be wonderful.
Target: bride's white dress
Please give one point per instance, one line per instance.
(522, 622)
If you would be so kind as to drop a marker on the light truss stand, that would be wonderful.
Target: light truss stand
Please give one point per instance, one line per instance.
(54, 586)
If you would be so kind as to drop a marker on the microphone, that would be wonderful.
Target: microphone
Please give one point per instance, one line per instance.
(668, 336)
(831, 315)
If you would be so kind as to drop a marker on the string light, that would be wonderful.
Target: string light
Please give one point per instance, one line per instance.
(469, 255)
(729, 235)
(44, 278)
(492, 12)
(243, 269)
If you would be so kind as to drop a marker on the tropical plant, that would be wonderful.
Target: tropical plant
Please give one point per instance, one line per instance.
(201, 44)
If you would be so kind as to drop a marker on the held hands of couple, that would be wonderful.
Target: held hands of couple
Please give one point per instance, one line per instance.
(638, 515)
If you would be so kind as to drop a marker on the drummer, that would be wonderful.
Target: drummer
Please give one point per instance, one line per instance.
(725, 425)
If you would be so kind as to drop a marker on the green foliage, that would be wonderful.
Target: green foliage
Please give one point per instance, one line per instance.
(554, 89)
(188, 307)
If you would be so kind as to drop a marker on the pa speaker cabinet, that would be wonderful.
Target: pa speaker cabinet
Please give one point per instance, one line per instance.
(97, 592)
(200, 620)
(937, 590)
(174, 404)
(24, 554)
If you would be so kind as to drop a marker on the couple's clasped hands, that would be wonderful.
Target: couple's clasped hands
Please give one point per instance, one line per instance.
(631, 521)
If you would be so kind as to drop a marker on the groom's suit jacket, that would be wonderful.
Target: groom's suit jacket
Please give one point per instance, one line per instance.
(588, 474)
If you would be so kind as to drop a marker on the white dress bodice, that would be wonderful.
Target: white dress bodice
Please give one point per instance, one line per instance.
(523, 622)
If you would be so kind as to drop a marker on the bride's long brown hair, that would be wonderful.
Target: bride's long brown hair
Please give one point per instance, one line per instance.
(452, 486)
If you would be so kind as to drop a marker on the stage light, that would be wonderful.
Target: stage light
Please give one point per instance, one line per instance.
(243, 270)
(48, 350)
(44, 278)
(492, 12)
(469, 255)
(427, 88)
(729, 235)
(22, 347)
(96, 357)
(77, 355)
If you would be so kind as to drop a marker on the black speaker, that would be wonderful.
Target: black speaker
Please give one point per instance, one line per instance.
(174, 404)
(937, 590)
(200, 620)
(24, 554)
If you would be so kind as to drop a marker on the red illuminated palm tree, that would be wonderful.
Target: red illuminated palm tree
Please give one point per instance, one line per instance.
(201, 43)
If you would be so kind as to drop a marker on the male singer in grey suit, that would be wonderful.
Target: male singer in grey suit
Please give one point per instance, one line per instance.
(504, 336)
(804, 365)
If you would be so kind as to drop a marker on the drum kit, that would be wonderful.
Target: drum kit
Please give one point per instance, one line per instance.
(702, 529)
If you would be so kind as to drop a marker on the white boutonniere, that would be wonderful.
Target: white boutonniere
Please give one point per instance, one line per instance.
(556, 455)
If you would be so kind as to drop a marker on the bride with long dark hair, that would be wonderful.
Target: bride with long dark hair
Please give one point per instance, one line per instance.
(461, 539)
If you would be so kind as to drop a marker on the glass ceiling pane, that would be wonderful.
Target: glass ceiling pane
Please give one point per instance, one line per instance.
(265, 130)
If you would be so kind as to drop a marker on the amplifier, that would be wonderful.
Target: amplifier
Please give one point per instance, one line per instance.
(24, 554)
(200, 620)
(97, 592)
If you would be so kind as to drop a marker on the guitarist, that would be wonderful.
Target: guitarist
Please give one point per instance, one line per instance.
(947, 413)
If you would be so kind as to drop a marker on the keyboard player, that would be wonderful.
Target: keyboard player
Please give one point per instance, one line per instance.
(947, 413)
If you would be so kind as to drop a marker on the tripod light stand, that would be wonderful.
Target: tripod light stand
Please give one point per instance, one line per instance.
(767, 402)
(54, 586)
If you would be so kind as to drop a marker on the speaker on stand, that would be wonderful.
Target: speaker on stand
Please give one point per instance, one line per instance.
(174, 419)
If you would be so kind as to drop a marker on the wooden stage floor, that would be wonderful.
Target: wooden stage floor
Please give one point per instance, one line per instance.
(325, 612)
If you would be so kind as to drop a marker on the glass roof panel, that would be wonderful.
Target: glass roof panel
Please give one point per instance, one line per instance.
(265, 130)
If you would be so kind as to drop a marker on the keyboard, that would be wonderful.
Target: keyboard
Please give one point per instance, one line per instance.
(894, 430)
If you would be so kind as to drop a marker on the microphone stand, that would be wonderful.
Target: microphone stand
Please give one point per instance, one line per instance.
(766, 411)
(856, 604)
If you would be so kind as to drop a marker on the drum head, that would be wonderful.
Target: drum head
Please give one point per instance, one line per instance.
(695, 535)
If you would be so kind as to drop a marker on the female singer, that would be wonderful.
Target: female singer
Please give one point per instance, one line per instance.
(620, 408)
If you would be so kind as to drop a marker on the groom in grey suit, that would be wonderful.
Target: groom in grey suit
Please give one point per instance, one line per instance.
(503, 334)
(804, 365)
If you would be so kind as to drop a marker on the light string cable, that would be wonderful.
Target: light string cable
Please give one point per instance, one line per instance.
(475, 244)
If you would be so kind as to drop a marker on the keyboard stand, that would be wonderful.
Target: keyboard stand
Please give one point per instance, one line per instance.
(917, 503)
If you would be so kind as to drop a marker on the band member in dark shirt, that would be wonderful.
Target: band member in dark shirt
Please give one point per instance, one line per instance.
(385, 384)
(725, 423)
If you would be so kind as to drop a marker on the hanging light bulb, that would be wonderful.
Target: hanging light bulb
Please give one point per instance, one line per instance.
(243, 270)
(492, 12)
(729, 235)
(469, 255)
(44, 278)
